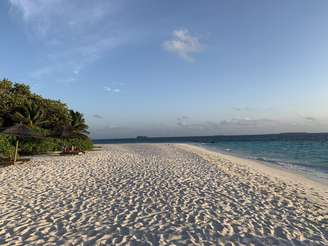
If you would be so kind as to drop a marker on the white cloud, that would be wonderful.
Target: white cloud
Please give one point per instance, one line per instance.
(77, 70)
(97, 116)
(107, 89)
(310, 118)
(183, 44)
(241, 126)
(114, 90)
(241, 108)
(29, 8)
(247, 122)
(49, 16)
(183, 121)
(72, 34)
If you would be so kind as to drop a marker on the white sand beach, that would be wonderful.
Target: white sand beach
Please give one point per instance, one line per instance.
(158, 194)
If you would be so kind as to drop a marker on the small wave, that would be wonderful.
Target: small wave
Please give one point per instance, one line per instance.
(290, 164)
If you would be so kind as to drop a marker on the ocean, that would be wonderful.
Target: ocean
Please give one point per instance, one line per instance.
(302, 152)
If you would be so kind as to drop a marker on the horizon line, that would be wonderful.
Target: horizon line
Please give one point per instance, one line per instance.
(198, 136)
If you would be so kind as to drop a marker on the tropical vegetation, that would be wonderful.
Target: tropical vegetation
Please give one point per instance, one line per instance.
(59, 125)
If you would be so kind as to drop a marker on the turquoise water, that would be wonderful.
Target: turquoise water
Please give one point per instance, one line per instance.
(307, 156)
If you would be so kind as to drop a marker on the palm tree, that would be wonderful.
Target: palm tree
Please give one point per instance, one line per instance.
(78, 123)
(76, 128)
(31, 115)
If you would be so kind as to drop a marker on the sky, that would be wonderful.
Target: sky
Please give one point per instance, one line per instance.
(174, 68)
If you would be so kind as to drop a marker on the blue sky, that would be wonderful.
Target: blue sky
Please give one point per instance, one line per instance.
(172, 68)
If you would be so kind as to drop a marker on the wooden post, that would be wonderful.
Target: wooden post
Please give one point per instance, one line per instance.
(16, 151)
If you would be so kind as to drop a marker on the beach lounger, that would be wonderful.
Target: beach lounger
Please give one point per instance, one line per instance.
(72, 151)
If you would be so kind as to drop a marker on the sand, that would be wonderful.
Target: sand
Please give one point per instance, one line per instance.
(158, 194)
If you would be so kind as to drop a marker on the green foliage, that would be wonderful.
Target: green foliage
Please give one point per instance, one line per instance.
(56, 113)
(30, 114)
(40, 146)
(81, 143)
(7, 149)
(77, 124)
(6, 86)
(48, 117)
(33, 147)
(21, 89)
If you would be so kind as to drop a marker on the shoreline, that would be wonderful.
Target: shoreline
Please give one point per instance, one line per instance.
(316, 175)
(274, 172)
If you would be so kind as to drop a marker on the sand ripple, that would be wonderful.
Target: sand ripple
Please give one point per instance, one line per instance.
(154, 194)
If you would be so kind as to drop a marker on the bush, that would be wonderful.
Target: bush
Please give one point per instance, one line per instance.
(81, 143)
(34, 147)
(7, 149)
(42, 146)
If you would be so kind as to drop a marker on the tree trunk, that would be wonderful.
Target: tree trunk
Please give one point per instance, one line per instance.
(16, 151)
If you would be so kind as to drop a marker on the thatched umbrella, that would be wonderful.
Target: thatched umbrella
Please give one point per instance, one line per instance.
(68, 132)
(20, 131)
